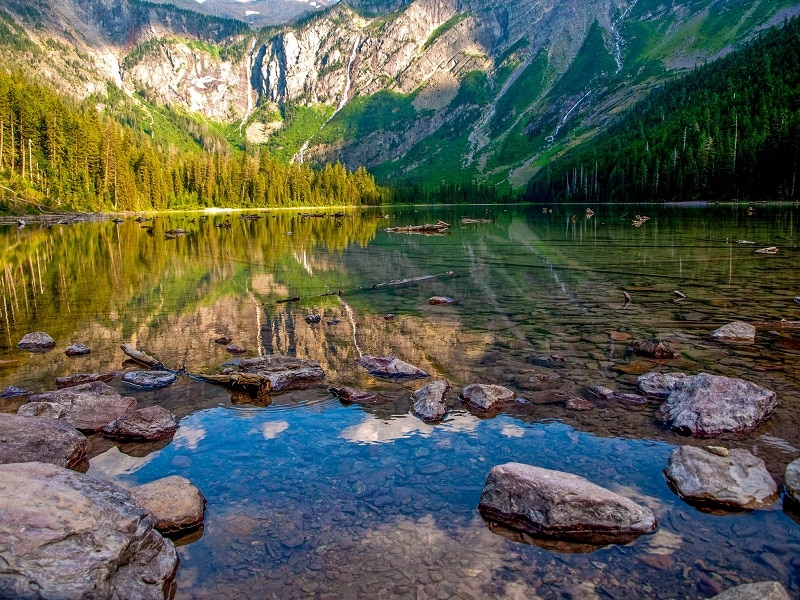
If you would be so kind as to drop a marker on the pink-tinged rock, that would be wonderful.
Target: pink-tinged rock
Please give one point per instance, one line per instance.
(144, 424)
(486, 396)
(174, 502)
(576, 403)
(350, 395)
(68, 535)
(390, 367)
(429, 401)
(561, 505)
(88, 407)
(39, 439)
(736, 332)
(763, 590)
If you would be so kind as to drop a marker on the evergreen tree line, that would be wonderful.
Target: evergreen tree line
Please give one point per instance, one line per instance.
(66, 156)
(729, 130)
(465, 192)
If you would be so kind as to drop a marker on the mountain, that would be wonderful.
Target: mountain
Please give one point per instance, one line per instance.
(421, 91)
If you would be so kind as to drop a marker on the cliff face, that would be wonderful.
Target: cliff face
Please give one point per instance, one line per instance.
(419, 89)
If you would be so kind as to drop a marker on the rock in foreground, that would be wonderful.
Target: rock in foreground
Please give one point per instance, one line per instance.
(429, 402)
(763, 590)
(707, 405)
(390, 367)
(176, 504)
(485, 396)
(144, 424)
(37, 439)
(88, 407)
(68, 535)
(561, 505)
(737, 480)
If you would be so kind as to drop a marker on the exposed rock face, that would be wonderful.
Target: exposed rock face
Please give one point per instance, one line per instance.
(659, 385)
(707, 405)
(557, 504)
(36, 342)
(284, 372)
(739, 479)
(763, 590)
(67, 535)
(736, 332)
(88, 407)
(429, 404)
(793, 479)
(390, 367)
(38, 439)
(151, 423)
(485, 396)
(149, 379)
(176, 504)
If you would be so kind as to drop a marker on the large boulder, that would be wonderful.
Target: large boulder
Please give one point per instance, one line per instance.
(734, 478)
(707, 405)
(484, 396)
(792, 478)
(88, 407)
(736, 332)
(284, 372)
(428, 401)
(37, 341)
(659, 385)
(38, 439)
(174, 502)
(763, 590)
(67, 535)
(562, 505)
(390, 367)
(144, 424)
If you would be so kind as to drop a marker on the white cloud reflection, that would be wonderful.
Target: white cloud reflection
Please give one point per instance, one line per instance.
(373, 430)
(189, 437)
(273, 429)
(512, 431)
(112, 463)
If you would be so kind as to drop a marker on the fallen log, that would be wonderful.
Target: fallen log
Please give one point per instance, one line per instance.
(142, 358)
(438, 227)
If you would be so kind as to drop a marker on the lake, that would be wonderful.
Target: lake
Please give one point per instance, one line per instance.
(310, 497)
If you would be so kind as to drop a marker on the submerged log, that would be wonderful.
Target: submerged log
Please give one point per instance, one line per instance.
(438, 227)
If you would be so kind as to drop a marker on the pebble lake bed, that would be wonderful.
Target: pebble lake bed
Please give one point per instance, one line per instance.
(358, 479)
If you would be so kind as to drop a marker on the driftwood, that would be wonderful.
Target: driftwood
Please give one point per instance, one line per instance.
(438, 227)
(142, 358)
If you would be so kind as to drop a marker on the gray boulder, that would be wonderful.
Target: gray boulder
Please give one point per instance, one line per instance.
(659, 385)
(67, 535)
(174, 502)
(763, 590)
(737, 480)
(428, 401)
(147, 424)
(88, 407)
(792, 479)
(486, 396)
(736, 332)
(149, 379)
(707, 405)
(78, 350)
(284, 372)
(561, 505)
(37, 439)
(390, 367)
(36, 341)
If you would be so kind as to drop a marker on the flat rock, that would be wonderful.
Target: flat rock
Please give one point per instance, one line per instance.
(659, 385)
(354, 396)
(78, 350)
(68, 535)
(654, 348)
(81, 378)
(763, 590)
(485, 396)
(736, 332)
(561, 505)
(88, 407)
(284, 372)
(428, 401)
(174, 502)
(147, 424)
(36, 341)
(390, 367)
(707, 405)
(737, 480)
(793, 479)
(150, 380)
(39, 439)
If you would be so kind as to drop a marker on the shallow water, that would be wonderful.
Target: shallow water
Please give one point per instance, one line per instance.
(308, 497)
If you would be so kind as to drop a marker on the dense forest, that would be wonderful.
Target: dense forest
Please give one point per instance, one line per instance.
(65, 156)
(729, 130)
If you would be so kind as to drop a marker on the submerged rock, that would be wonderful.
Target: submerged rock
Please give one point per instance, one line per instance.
(390, 367)
(792, 479)
(353, 396)
(78, 350)
(653, 348)
(151, 423)
(150, 379)
(659, 385)
(763, 590)
(81, 378)
(235, 349)
(577, 403)
(436, 300)
(313, 319)
(36, 341)
(68, 535)
(562, 505)
(707, 405)
(738, 331)
(38, 439)
(176, 504)
(485, 396)
(88, 407)
(738, 480)
(605, 394)
(428, 401)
